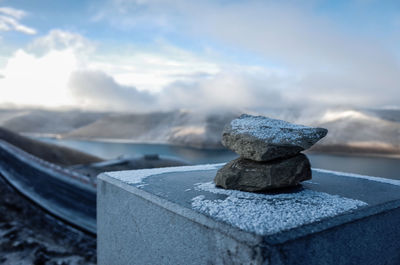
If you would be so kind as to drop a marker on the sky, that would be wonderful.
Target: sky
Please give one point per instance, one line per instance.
(150, 55)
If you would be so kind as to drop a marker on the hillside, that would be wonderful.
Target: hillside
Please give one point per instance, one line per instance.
(369, 131)
(353, 131)
(45, 121)
(177, 127)
(52, 153)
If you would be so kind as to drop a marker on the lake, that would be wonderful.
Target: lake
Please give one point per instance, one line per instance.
(373, 166)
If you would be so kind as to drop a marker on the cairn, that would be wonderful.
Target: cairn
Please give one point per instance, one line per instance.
(269, 152)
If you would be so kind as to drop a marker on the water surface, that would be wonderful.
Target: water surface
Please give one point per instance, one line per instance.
(373, 166)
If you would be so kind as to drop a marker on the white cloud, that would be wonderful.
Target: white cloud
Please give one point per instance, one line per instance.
(99, 91)
(322, 64)
(9, 21)
(153, 69)
(64, 69)
(226, 90)
(31, 80)
(39, 75)
(12, 12)
(333, 65)
(60, 40)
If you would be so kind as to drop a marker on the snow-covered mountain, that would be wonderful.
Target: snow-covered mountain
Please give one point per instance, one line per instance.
(350, 130)
(175, 127)
(360, 131)
(46, 121)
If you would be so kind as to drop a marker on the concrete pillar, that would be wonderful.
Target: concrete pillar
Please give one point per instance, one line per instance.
(177, 216)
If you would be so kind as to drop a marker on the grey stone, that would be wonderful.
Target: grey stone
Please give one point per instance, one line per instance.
(247, 175)
(262, 139)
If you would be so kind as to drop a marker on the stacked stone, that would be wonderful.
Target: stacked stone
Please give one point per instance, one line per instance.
(269, 152)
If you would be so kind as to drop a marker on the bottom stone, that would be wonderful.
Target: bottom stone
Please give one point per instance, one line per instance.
(247, 175)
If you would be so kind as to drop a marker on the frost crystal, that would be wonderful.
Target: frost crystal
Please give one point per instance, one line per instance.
(266, 214)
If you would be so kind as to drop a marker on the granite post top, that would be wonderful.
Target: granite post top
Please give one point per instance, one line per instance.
(329, 199)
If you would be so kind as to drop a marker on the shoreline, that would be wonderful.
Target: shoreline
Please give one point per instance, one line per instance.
(318, 149)
(122, 141)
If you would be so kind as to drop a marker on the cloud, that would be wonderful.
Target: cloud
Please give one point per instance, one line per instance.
(39, 74)
(334, 63)
(318, 63)
(9, 21)
(154, 66)
(41, 81)
(61, 40)
(97, 90)
(12, 12)
(225, 90)
(64, 69)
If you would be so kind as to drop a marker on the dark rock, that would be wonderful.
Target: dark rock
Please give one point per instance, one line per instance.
(262, 139)
(247, 175)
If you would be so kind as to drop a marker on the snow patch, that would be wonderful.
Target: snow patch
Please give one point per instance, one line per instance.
(137, 176)
(267, 214)
(331, 115)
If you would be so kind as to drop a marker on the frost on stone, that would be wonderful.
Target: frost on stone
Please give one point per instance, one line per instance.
(261, 138)
(266, 214)
(137, 176)
(272, 130)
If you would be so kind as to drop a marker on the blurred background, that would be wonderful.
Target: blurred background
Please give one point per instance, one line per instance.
(104, 85)
(133, 77)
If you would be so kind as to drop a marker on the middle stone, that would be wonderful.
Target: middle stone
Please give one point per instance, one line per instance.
(247, 175)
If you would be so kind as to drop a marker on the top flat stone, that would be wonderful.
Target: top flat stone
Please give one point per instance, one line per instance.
(262, 139)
